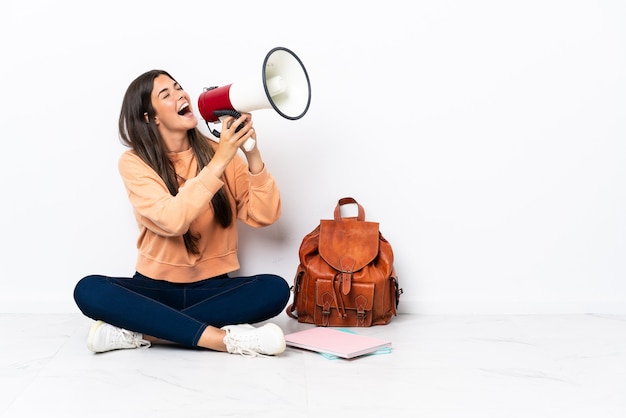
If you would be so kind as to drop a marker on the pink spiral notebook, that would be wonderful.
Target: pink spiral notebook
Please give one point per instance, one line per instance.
(339, 343)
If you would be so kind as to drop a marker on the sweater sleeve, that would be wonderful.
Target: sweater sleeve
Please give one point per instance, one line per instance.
(155, 207)
(257, 195)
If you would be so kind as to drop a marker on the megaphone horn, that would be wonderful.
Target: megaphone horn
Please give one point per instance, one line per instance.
(284, 86)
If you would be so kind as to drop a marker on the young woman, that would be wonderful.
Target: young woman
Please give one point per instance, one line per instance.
(187, 193)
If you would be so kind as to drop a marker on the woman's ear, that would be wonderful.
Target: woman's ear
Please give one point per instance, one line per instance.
(156, 120)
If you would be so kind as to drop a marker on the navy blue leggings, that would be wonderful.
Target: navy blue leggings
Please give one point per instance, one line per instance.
(180, 312)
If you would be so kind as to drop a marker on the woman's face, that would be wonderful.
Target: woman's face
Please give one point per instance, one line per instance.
(172, 106)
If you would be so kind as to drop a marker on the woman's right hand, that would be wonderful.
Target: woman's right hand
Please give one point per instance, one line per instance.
(231, 141)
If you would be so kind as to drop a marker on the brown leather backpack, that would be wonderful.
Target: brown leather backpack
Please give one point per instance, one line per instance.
(346, 275)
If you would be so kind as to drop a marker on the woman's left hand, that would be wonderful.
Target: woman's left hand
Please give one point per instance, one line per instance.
(253, 155)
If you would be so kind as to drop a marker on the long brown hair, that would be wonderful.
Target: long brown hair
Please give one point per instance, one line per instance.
(145, 139)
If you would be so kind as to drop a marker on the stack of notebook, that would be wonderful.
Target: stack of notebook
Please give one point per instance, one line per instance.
(336, 342)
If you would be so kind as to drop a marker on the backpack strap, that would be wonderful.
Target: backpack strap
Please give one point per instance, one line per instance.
(292, 310)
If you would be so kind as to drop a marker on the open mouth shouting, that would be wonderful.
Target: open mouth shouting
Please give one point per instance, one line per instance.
(184, 110)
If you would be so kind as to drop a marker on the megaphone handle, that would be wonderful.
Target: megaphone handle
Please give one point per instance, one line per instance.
(249, 144)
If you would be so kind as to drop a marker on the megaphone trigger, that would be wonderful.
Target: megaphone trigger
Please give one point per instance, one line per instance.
(227, 112)
(219, 114)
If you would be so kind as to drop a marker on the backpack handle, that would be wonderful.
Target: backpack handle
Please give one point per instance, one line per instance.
(347, 201)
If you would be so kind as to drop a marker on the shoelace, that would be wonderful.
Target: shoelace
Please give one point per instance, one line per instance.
(132, 338)
(243, 350)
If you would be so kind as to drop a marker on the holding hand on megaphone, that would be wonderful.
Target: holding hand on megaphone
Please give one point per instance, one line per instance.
(237, 127)
(222, 115)
(284, 86)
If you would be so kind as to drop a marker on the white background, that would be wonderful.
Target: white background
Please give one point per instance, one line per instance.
(486, 137)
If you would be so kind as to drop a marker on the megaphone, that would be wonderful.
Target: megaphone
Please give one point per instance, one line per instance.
(284, 86)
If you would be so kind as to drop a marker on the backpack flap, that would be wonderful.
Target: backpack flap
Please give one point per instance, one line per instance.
(348, 245)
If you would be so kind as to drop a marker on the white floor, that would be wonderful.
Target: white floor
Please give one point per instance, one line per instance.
(441, 366)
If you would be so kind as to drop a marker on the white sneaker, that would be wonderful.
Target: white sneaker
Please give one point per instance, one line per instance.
(249, 341)
(105, 337)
